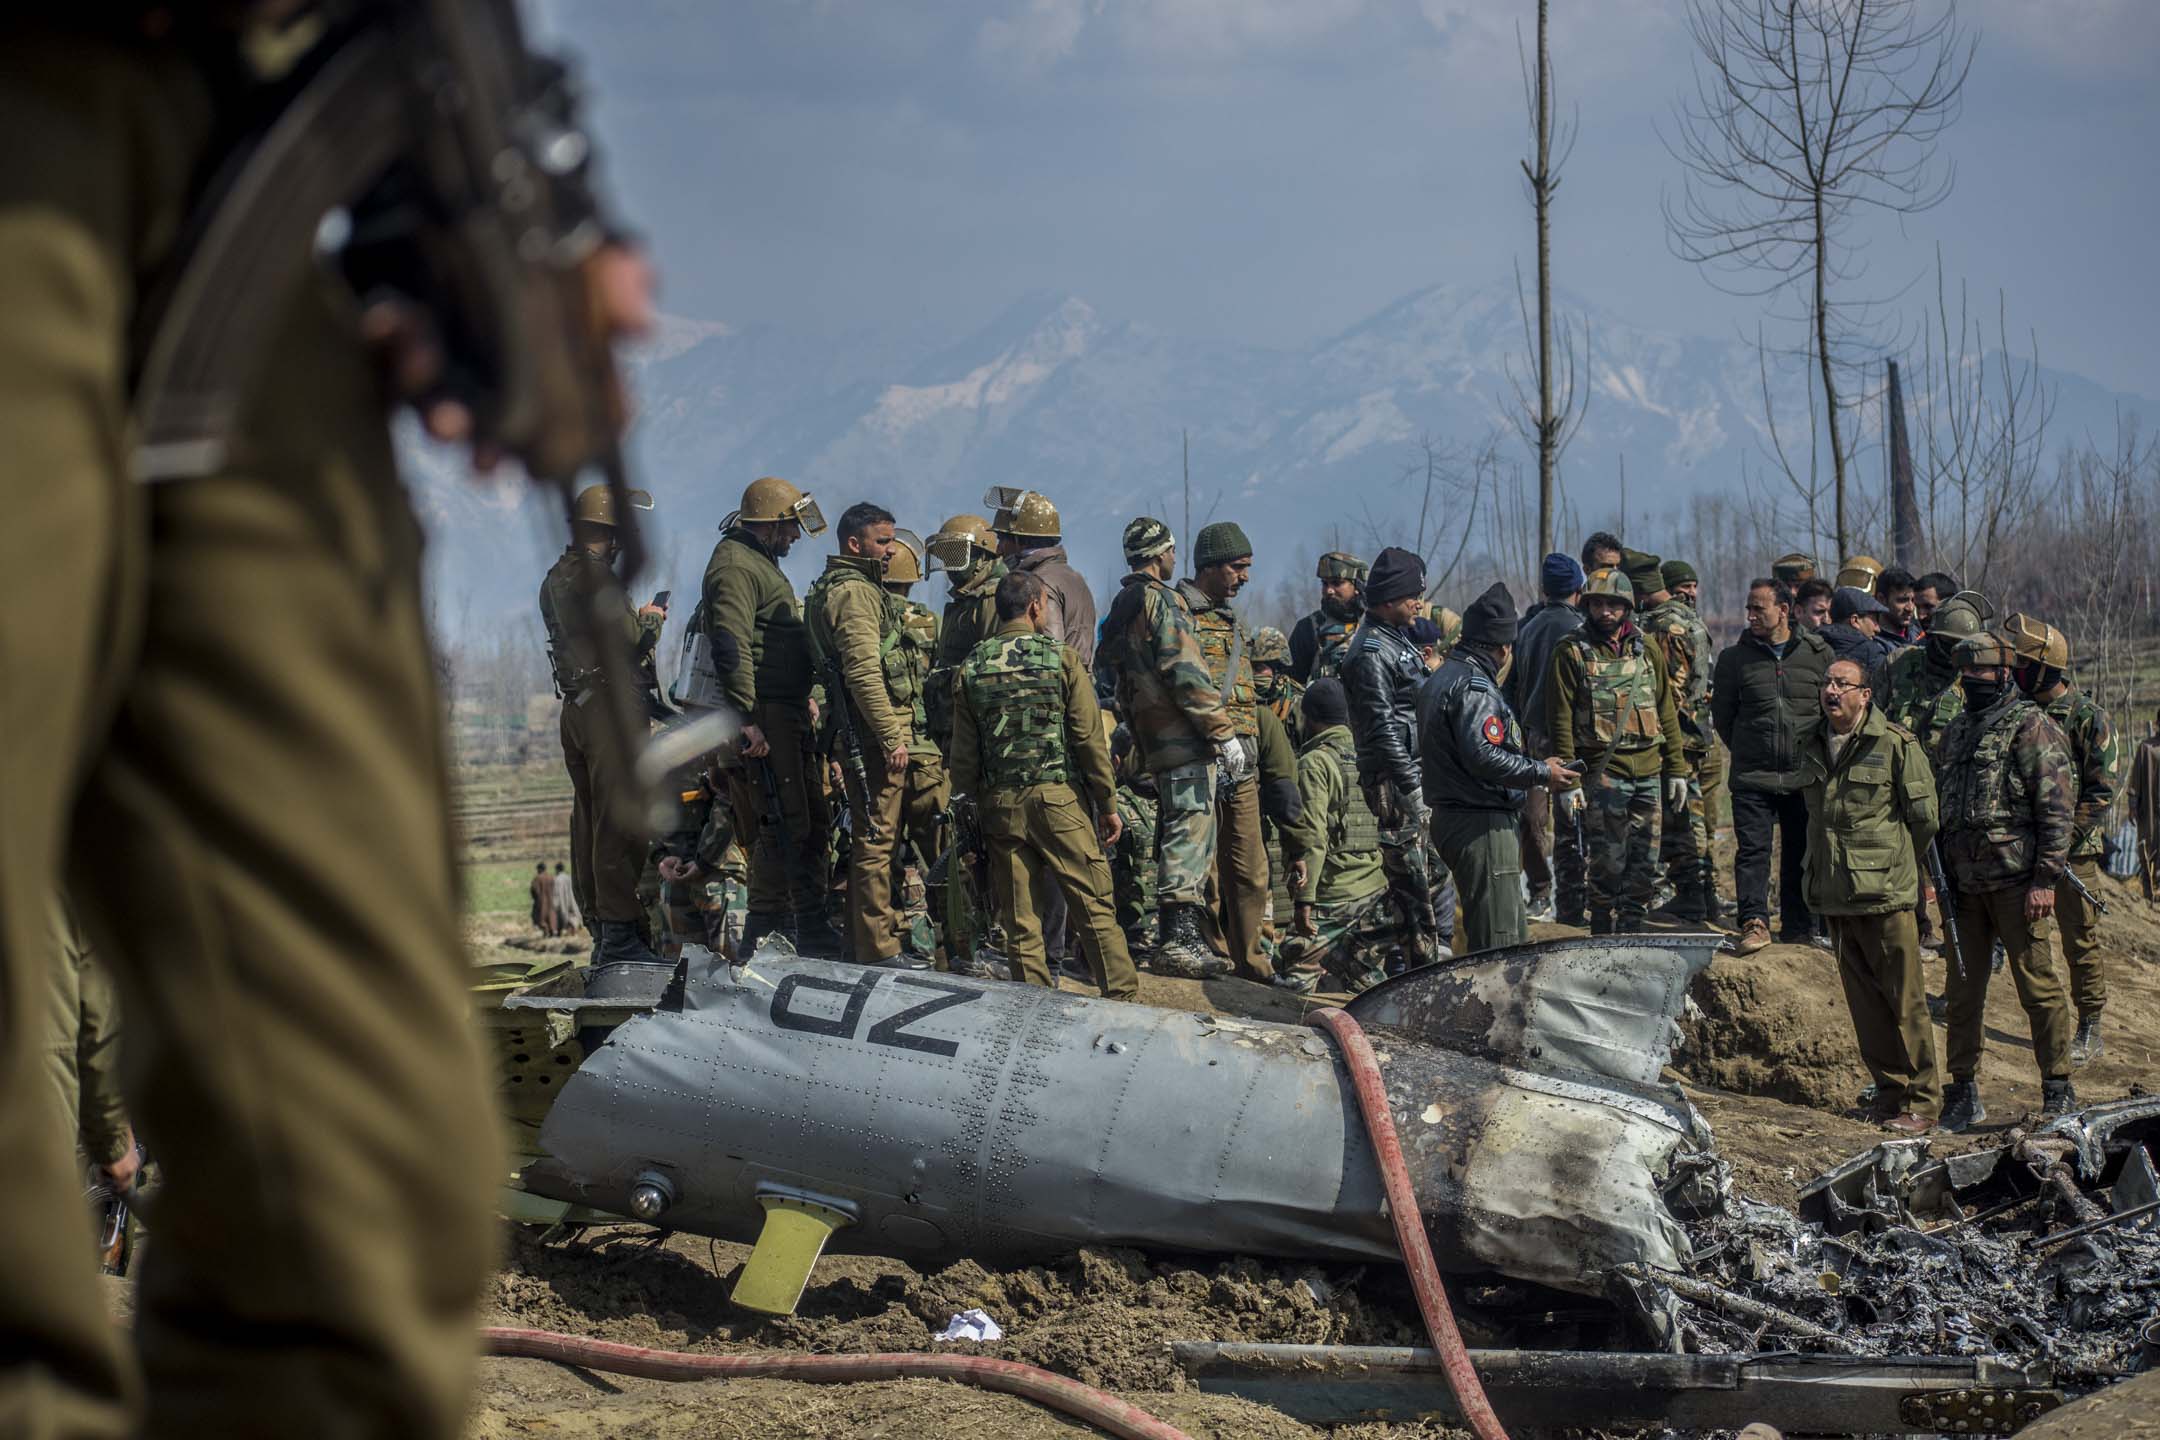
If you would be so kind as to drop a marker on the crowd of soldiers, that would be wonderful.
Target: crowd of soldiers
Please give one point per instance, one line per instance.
(1017, 788)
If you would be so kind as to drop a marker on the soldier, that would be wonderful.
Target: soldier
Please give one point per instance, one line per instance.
(1132, 859)
(1793, 570)
(1380, 676)
(1317, 641)
(1477, 773)
(1705, 757)
(1028, 538)
(1222, 563)
(1918, 687)
(1553, 855)
(921, 837)
(609, 842)
(2009, 804)
(1026, 731)
(1273, 684)
(81, 1053)
(1871, 816)
(777, 781)
(1342, 925)
(1609, 706)
(2142, 794)
(856, 633)
(1669, 628)
(2097, 763)
(965, 548)
(700, 867)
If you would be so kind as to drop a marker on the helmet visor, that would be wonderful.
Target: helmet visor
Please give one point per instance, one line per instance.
(807, 515)
(951, 552)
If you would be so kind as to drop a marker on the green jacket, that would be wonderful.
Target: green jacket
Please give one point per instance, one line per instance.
(1087, 744)
(1630, 730)
(747, 596)
(2096, 748)
(1336, 837)
(853, 616)
(81, 1043)
(579, 579)
(1151, 654)
(1871, 814)
(1916, 691)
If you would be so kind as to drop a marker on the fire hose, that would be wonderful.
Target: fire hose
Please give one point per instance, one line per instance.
(1104, 1411)
(1364, 1067)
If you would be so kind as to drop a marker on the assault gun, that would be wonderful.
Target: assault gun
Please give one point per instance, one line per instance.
(421, 147)
(849, 741)
(114, 1220)
(1945, 901)
(2084, 891)
(964, 872)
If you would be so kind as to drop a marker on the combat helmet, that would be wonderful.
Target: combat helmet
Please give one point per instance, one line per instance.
(595, 504)
(904, 566)
(954, 544)
(2037, 640)
(1859, 572)
(771, 498)
(1985, 650)
(1964, 614)
(1340, 565)
(1024, 514)
(1269, 647)
(1609, 580)
(1793, 569)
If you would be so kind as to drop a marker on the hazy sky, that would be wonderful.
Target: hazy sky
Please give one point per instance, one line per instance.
(1274, 170)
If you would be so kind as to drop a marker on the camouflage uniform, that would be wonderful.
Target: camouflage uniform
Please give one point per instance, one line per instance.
(925, 794)
(970, 619)
(705, 908)
(1241, 858)
(1132, 859)
(2009, 791)
(1920, 696)
(2097, 759)
(1684, 841)
(1609, 705)
(1320, 641)
(1345, 887)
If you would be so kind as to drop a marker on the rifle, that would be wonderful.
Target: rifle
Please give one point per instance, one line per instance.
(1946, 901)
(115, 1222)
(964, 872)
(2084, 891)
(851, 749)
(427, 147)
(775, 818)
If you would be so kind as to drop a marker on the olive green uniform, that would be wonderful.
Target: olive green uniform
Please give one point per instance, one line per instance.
(1609, 705)
(1241, 859)
(220, 693)
(1344, 897)
(82, 1045)
(746, 595)
(609, 842)
(970, 618)
(2097, 758)
(1027, 740)
(1871, 816)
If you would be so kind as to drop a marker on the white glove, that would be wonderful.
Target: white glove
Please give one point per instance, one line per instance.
(1230, 754)
(1676, 795)
(1571, 802)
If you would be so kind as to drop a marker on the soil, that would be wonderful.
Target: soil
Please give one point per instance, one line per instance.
(1768, 1061)
(2129, 1411)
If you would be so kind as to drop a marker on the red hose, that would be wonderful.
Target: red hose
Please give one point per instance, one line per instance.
(1364, 1066)
(1104, 1411)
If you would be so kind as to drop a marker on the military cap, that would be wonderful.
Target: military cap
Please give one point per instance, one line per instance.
(1145, 538)
(1678, 573)
(1793, 568)
(1325, 703)
(1490, 620)
(2037, 640)
(1220, 542)
(1606, 581)
(1849, 600)
(1645, 572)
(1340, 565)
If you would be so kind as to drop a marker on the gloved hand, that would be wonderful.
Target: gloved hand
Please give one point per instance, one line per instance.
(1571, 803)
(1230, 755)
(1676, 795)
(1413, 808)
(1380, 799)
(1281, 802)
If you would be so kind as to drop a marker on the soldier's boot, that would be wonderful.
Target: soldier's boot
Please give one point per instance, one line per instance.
(1601, 922)
(1182, 951)
(2057, 1097)
(1714, 911)
(620, 942)
(1541, 910)
(2087, 1046)
(1627, 922)
(1961, 1106)
(1297, 982)
(757, 924)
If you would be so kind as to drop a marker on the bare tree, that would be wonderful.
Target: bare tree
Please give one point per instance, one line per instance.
(1807, 116)
(1548, 420)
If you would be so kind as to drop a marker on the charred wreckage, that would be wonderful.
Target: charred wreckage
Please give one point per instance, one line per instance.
(1574, 1195)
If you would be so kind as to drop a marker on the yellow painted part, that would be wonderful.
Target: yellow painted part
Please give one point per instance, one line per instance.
(787, 1249)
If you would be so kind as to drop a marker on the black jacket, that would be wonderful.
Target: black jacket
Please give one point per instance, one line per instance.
(1765, 708)
(1548, 623)
(1847, 643)
(1469, 741)
(1380, 678)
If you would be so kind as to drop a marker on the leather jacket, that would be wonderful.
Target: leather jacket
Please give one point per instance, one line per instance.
(1380, 676)
(1470, 742)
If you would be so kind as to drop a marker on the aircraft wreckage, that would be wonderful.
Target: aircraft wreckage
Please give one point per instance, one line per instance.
(806, 1105)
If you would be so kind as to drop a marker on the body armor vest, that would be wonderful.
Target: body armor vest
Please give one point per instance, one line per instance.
(1685, 674)
(904, 687)
(1331, 642)
(1217, 629)
(573, 672)
(1015, 685)
(1986, 792)
(1353, 829)
(1622, 697)
(915, 656)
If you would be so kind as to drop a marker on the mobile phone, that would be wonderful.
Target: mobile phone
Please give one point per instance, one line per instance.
(660, 600)
(1576, 767)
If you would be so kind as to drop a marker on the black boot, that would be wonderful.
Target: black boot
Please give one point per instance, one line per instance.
(815, 936)
(620, 942)
(757, 924)
(1601, 922)
(2057, 1097)
(1961, 1106)
(1182, 951)
(2087, 1046)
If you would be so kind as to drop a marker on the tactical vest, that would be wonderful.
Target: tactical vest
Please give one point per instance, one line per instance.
(1015, 687)
(1287, 704)
(916, 657)
(1675, 625)
(1910, 703)
(573, 672)
(1353, 829)
(1217, 627)
(1986, 792)
(1622, 698)
(2079, 717)
(904, 687)
(1331, 643)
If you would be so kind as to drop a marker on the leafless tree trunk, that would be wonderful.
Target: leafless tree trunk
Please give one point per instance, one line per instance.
(1807, 115)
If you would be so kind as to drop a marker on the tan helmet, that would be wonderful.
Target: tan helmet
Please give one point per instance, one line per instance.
(771, 498)
(954, 545)
(1027, 514)
(1859, 573)
(1609, 581)
(1793, 569)
(1964, 614)
(904, 566)
(1341, 565)
(2037, 640)
(596, 504)
(1986, 650)
(1270, 647)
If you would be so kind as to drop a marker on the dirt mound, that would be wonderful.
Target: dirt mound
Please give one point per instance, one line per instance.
(2129, 1411)
(1773, 1023)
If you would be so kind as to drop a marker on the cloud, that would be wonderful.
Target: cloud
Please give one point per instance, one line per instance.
(1039, 35)
(1227, 29)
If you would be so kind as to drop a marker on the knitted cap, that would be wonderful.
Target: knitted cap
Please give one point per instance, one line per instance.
(1645, 572)
(1219, 542)
(1396, 575)
(1678, 573)
(1561, 577)
(1325, 704)
(1145, 538)
(1490, 620)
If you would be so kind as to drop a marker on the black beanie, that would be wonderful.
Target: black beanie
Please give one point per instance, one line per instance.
(1490, 620)
(1325, 704)
(1396, 575)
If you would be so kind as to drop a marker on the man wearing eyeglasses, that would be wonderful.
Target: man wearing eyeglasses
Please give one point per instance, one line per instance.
(1871, 814)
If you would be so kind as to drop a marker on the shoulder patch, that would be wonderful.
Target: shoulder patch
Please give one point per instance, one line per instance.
(1495, 730)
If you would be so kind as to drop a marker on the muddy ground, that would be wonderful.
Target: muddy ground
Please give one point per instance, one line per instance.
(1769, 1062)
